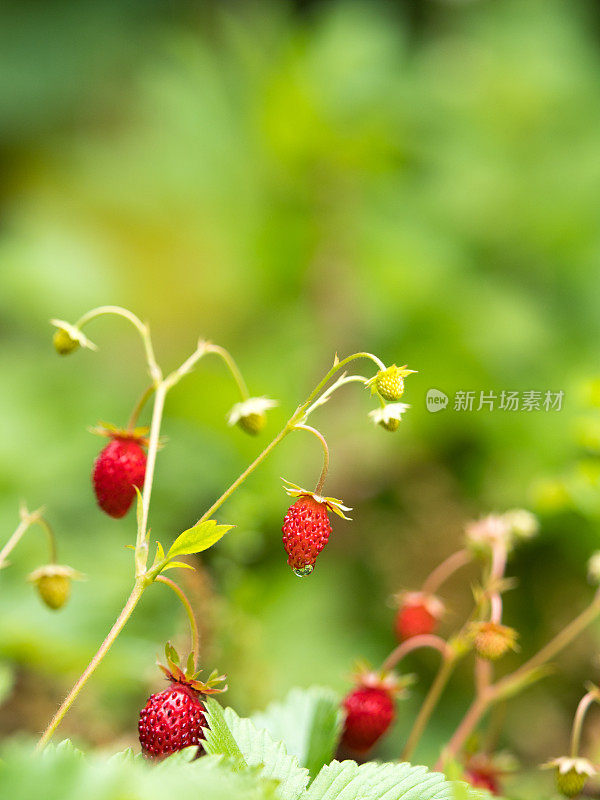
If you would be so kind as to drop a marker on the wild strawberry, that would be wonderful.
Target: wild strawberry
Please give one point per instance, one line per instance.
(173, 719)
(418, 614)
(370, 710)
(53, 583)
(119, 468)
(389, 383)
(250, 414)
(491, 640)
(306, 527)
(482, 779)
(67, 338)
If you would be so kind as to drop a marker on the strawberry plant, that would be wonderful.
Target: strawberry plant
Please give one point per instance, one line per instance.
(313, 745)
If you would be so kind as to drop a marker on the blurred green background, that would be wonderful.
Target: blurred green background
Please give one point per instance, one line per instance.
(419, 180)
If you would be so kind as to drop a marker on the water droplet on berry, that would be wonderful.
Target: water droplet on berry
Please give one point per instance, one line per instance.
(304, 571)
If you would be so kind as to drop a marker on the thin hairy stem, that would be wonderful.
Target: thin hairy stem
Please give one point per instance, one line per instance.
(194, 636)
(27, 520)
(585, 702)
(143, 330)
(45, 525)
(116, 629)
(325, 469)
(415, 643)
(232, 366)
(510, 683)
(447, 568)
(429, 704)
(139, 406)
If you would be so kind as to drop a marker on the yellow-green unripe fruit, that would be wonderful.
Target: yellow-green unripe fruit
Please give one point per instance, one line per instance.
(64, 343)
(570, 783)
(390, 383)
(54, 590)
(253, 423)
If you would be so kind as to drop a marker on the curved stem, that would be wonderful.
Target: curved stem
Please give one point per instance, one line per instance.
(45, 525)
(27, 520)
(429, 704)
(510, 682)
(194, 636)
(414, 643)
(232, 366)
(133, 600)
(143, 330)
(321, 438)
(336, 367)
(447, 568)
(341, 381)
(585, 702)
(139, 406)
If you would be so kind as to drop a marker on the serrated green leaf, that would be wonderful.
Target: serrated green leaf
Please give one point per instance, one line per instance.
(309, 722)
(257, 748)
(218, 738)
(373, 781)
(198, 538)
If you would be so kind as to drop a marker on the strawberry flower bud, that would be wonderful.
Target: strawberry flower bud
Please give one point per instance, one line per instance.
(53, 583)
(250, 414)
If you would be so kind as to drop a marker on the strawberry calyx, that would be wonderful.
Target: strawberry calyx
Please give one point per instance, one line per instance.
(332, 503)
(365, 677)
(110, 431)
(190, 676)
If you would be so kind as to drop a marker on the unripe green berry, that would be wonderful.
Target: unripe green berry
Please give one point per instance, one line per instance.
(54, 590)
(390, 383)
(64, 343)
(253, 423)
(570, 783)
(391, 424)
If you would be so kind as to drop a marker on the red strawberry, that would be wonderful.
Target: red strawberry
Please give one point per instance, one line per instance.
(418, 614)
(173, 719)
(306, 530)
(370, 711)
(306, 527)
(483, 779)
(120, 466)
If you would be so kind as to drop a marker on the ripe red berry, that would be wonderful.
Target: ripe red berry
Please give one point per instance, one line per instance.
(417, 615)
(306, 530)
(483, 779)
(369, 713)
(120, 467)
(171, 720)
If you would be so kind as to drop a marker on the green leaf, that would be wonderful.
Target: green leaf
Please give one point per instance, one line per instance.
(198, 538)
(241, 739)
(309, 722)
(373, 781)
(177, 565)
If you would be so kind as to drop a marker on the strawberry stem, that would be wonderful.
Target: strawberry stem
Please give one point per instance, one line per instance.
(414, 643)
(143, 330)
(27, 520)
(232, 366)
(444, 570)
(194, 636)
(139, 406)
(321, 438)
